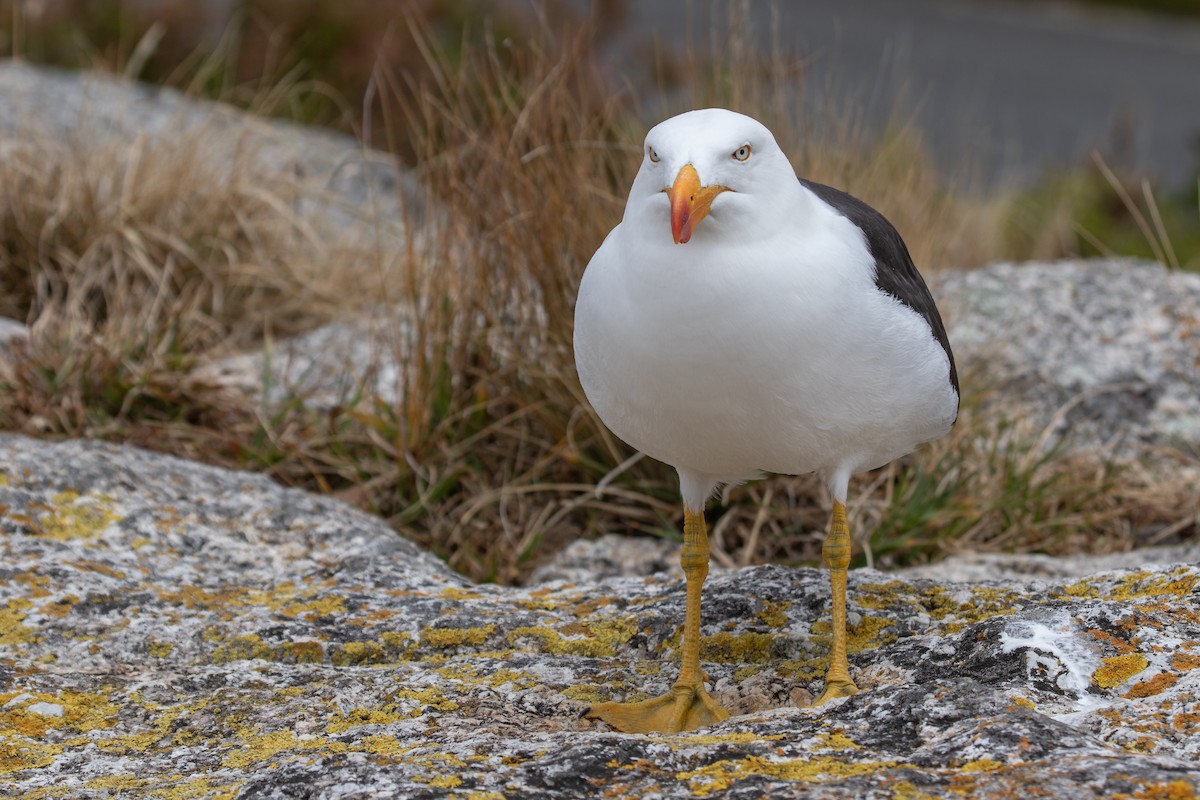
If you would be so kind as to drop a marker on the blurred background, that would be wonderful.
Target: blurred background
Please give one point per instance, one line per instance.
(1002, 95)
(986, 130)
(1017, 86)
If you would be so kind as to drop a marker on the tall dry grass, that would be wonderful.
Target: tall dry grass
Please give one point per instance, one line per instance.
(136, 265)
(132, 258)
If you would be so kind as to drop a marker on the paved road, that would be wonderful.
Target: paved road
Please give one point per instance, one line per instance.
(1015, 87)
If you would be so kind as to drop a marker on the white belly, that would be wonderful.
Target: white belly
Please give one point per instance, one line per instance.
(729, 368)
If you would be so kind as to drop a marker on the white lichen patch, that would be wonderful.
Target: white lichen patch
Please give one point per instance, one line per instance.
(1055, 652)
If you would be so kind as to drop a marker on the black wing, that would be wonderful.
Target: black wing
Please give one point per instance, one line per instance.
(895, 272)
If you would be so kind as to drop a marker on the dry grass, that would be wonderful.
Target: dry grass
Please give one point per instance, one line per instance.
(114, 235)
(135, 265)
(133, 259)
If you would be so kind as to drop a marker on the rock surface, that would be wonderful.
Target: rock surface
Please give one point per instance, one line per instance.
(335, 365)
(174, 630)
(1105, 352)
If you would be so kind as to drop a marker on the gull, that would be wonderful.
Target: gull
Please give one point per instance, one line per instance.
(741, 321)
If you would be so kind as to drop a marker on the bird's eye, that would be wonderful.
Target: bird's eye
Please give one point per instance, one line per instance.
(652, 155)
(742, 153)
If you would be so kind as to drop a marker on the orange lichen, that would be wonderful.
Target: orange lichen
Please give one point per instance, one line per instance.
(1167, 790)
(1117, 643)
(1185, 661)
(1152, 686)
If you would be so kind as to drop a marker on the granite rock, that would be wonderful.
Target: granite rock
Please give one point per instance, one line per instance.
(337, 364)
(174, 630)
(1104, 353)
(349, 191)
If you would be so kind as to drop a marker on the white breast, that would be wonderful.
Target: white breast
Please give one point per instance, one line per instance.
(778, 356)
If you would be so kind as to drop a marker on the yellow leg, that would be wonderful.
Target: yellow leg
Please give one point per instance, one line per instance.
(687, 705)
(836, 553)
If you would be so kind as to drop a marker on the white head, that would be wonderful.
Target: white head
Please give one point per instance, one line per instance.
(711, 163)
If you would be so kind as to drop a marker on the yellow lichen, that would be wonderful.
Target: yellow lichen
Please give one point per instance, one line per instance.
(382, 745)
(1118, 669)
(396, 639)
(469, 673)
(721, 775)
(456, 593)
(18, 754)
(774, 615)
(118, 783)
(72, 516)
(196, 597)
(804, 669)
(1140, 584)
(649, 667)
(60, 607)
(904, 790)
(431, 697)
(878, 596)
(586, 694)
(981, 765)
(440, 781)
(301, 653)
(159, 649)
(200, 787)
(740, 648)
(39, 584)
(258, 747)
(835, 740)
(596, 639)
(136, 743)
(340, 723)
(1082, 589)
(446, 638)
(987, 602)
(1024, 702)
(98, 567)
(737, 737)
(242, 648)
(938, 602)
(315, 606)
(866, 635)
(12, 622)
(748, 671)
(81, 712)
(356, 654)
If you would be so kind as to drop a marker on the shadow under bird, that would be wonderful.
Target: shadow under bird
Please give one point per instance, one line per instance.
(739, 321)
